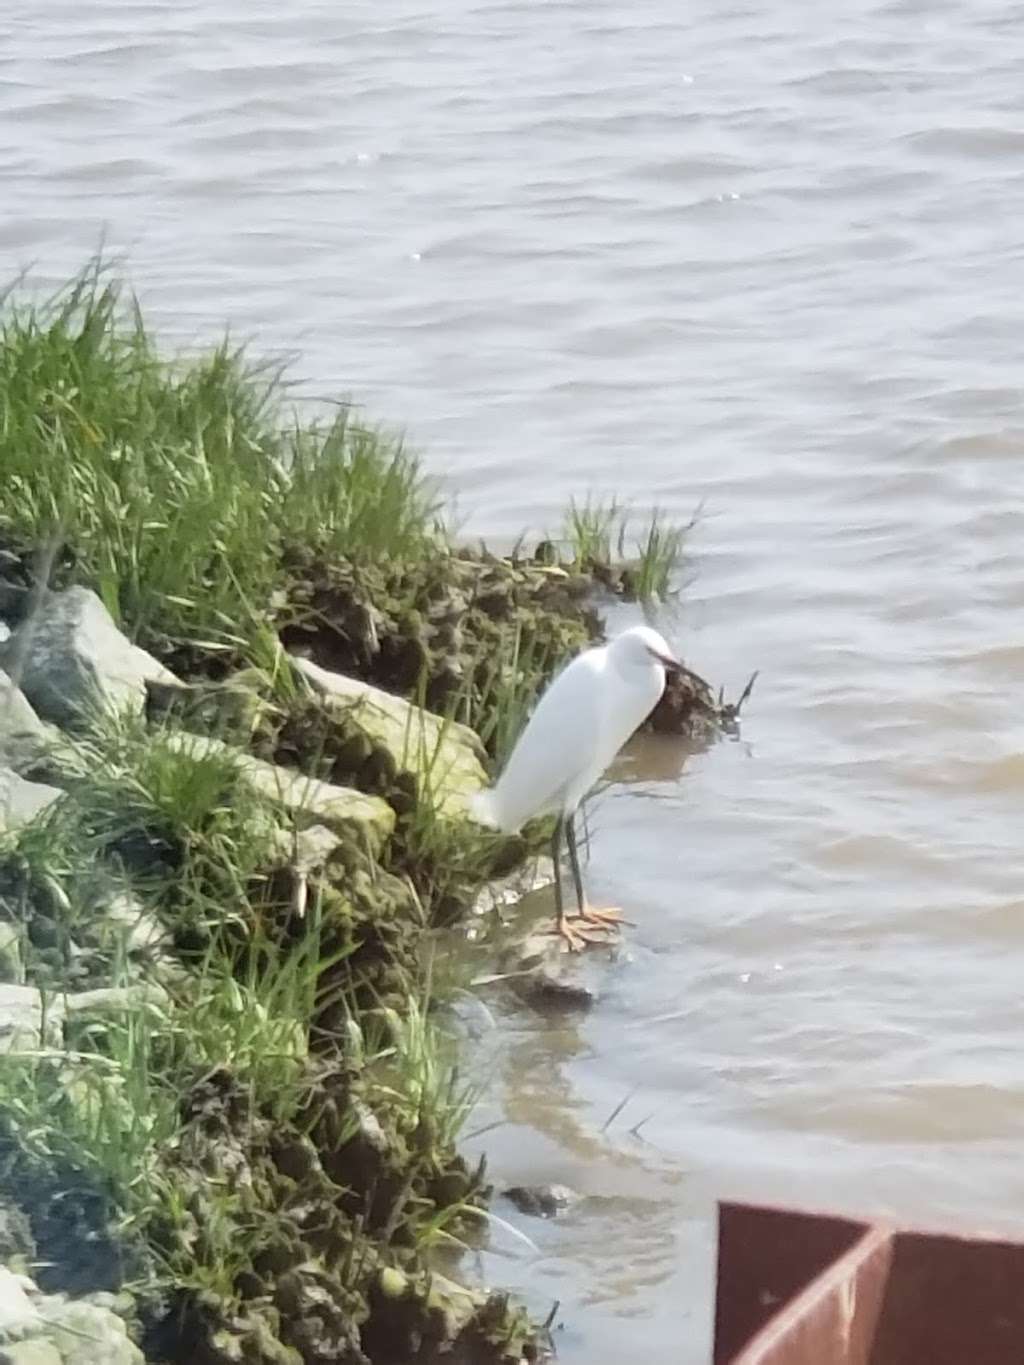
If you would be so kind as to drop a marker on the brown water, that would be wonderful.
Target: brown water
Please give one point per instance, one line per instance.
(768, 258)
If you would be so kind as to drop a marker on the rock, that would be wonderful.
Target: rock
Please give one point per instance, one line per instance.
(19, 1316)
(308, 851)
(445, 758)
(14, 602)
(12, 964)
(17, 1247)
(22, 801)
(545, 976)
(414, 1315)
(504, 893)
(121, 1303)
(35, 1351)
(24, 1024)
(551, 990)
(140, 928)
(69, 657)
(454, 1301)
(89, 1335)
(87, 1010)
(17, 719)
(44, 932)
(541, 1201)
(28, 1022)
(228, 710)
(306, 799)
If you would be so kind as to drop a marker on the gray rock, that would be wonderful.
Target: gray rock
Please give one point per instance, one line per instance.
(537, 967)
(24, 1023)
(12, 963)
(35, 1351)
(21, 801)
(69, 657)
(14, 602)
(89, 1010)
(506, 893)
(552, 990)
(89, 1335)
(16, 715)
(306, 799)
(131, 921)
(19, 1316)
(17, 1247)
(120, 1303)
(541, 1201)
(228, 710)
(307, 850)
(28, 1020)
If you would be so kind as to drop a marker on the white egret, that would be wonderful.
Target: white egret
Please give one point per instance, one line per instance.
(579, 725)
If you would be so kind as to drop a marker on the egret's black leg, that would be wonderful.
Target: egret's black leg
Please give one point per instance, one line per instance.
(574, 862)
(556, 858)
(573, 938)
(597, 919)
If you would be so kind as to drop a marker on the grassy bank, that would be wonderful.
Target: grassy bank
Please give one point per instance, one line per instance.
(257, 1118)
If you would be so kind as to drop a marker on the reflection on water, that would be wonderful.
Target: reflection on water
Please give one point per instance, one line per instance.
(764, 258)
(650, 759)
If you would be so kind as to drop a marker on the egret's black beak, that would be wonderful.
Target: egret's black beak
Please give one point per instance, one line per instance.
(671, 665)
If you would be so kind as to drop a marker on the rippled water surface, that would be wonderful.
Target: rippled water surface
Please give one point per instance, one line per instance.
(763, 257)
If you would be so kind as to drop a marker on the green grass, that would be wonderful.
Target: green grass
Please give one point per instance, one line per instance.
(591, 528)
(179, 483)
(104, 1115)
(106, 1106)
(502, 684)
(598, 533)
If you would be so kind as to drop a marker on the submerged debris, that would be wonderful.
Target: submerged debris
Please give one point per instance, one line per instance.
(541, 1201)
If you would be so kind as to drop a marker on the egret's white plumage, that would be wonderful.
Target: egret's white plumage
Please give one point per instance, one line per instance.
(579, 725)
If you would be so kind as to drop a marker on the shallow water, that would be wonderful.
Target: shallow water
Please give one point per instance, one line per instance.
(763, 258)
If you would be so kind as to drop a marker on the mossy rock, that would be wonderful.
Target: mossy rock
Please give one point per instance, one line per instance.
(444, 759)
(308, 801)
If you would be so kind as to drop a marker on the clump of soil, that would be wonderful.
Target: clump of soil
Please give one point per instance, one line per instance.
(369, 927)
(433, 628)
(321, 1208)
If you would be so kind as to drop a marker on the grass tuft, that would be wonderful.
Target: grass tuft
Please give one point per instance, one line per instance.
(598, 534)
(177, 485)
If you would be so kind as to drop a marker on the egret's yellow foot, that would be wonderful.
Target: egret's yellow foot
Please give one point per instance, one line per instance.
(574, 939)
(608, 919)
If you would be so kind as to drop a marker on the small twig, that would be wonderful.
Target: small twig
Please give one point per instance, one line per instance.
(617, 1111)
(730, 711)
(487, 1128)
(746, 691)
(635, 1130)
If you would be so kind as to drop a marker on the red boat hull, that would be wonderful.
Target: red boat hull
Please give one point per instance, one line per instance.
(806, 1289)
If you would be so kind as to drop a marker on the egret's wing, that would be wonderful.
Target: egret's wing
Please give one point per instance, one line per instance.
(557, 748)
